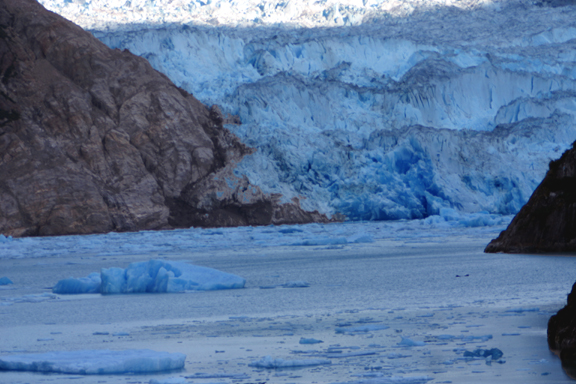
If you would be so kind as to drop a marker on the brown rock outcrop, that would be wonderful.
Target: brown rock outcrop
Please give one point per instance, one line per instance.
(547, 223)
(95, 140)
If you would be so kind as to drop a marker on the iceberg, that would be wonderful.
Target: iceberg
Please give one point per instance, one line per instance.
(154, 276)
(95, 362)
(5, 281)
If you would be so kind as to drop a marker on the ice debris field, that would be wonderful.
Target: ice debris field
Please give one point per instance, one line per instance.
(357, 302)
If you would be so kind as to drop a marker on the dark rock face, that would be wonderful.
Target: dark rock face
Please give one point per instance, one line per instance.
(562, 334)
(547, 223)
(562, 326)
(95, 140)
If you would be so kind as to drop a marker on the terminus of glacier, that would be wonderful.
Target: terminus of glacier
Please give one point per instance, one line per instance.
(393, 119)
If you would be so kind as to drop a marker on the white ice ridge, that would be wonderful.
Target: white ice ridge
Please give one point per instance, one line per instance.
(95, 362)
(151, 276)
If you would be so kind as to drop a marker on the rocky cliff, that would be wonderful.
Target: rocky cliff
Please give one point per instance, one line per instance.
(95, 140)
(547, 223)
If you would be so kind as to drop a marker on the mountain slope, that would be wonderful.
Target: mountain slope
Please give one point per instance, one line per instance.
(95, 140)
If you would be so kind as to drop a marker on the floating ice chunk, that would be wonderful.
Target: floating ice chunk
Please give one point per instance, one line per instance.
(170, 380)
(494, 353)
(89, 284)
(296, 284)
(95, 362)
(397, 356)
(350, 354)
(309, 341)
(323, 241)
(361, 329)
(236, 376)
(393, 380)
(4, 239)
(520, 310)
(476, 339)
(32, 298)
(361, 238)
(270, 363)
(151, 276)
(406, 342)
(5, 280)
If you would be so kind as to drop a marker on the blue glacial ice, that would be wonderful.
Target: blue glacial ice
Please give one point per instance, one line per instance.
(89, 284)
(154, 276)
(5, 281)
(95, 362)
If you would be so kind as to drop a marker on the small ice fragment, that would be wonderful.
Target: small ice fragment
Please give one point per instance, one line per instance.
(121, 334)
(361, 238)
(236, 376)
(270, 363)
(101, 333)
(406, 342)
(5, 281)
(296, 284)
(495, 353)
(46, 339)
(309, 341)
(510, 334)
(361, 329)
(393, 380)
(170, 380)
(520, 310)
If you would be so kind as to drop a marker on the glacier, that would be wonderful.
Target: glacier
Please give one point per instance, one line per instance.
(153, 276)
(374, 109)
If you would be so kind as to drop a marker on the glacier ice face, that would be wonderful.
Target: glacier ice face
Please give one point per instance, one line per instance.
(413, 108)
(95, 362)
(154, 276)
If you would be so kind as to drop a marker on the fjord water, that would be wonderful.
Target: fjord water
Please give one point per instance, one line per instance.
(391, 301)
